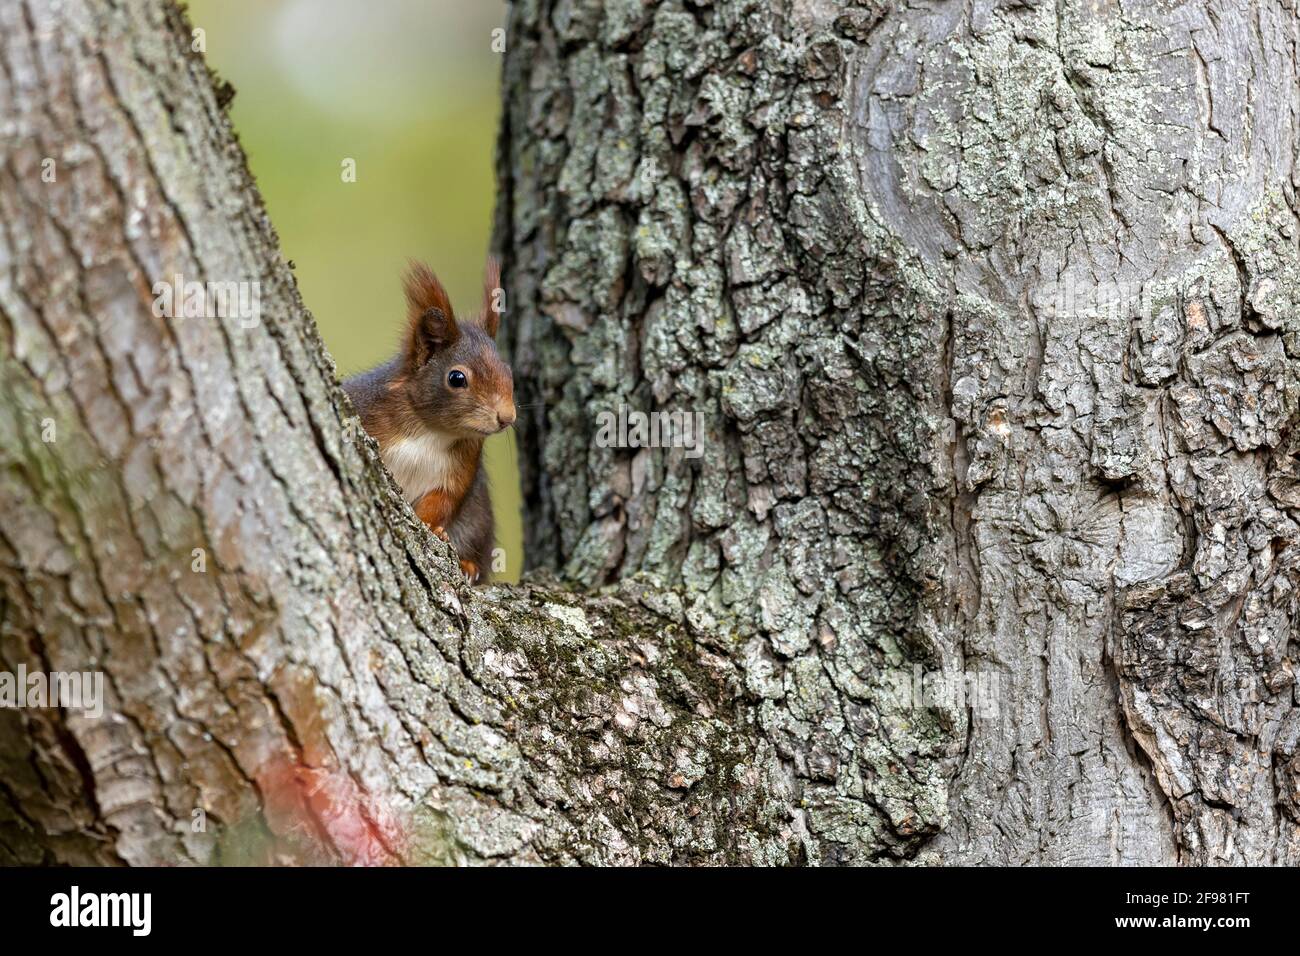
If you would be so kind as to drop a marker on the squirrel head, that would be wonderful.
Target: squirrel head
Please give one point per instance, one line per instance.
(452, 376)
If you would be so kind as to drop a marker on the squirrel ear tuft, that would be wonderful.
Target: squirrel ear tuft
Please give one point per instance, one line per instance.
(431, 324)
(494, 297)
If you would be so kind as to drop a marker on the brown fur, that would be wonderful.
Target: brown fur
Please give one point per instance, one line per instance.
(410, 408)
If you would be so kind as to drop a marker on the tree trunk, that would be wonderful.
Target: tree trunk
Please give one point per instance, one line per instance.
(989, 310)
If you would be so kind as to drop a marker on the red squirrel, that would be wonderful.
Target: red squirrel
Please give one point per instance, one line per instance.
(430, 407)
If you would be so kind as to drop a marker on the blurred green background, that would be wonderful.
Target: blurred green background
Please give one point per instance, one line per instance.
(409, 89)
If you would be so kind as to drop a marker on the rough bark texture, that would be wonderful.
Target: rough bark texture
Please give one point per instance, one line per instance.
(991, 306)
(991, 310)
(326, 689)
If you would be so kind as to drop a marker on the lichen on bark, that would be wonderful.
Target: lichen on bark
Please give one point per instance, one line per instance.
(988, 309)
(685, 234)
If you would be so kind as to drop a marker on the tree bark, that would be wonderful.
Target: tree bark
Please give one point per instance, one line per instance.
(990, 311)
(989, 307)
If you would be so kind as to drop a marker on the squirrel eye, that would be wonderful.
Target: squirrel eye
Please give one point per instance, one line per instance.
(456, 378)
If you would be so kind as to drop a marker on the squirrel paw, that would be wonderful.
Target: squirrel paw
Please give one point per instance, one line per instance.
(470, 570)
(441, 534)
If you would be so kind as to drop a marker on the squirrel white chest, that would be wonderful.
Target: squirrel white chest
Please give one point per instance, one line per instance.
(420, 464)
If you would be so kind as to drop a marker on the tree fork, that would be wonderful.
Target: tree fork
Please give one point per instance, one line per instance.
(873, 245)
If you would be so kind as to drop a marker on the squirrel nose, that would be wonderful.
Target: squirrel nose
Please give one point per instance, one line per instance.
(505, 416)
